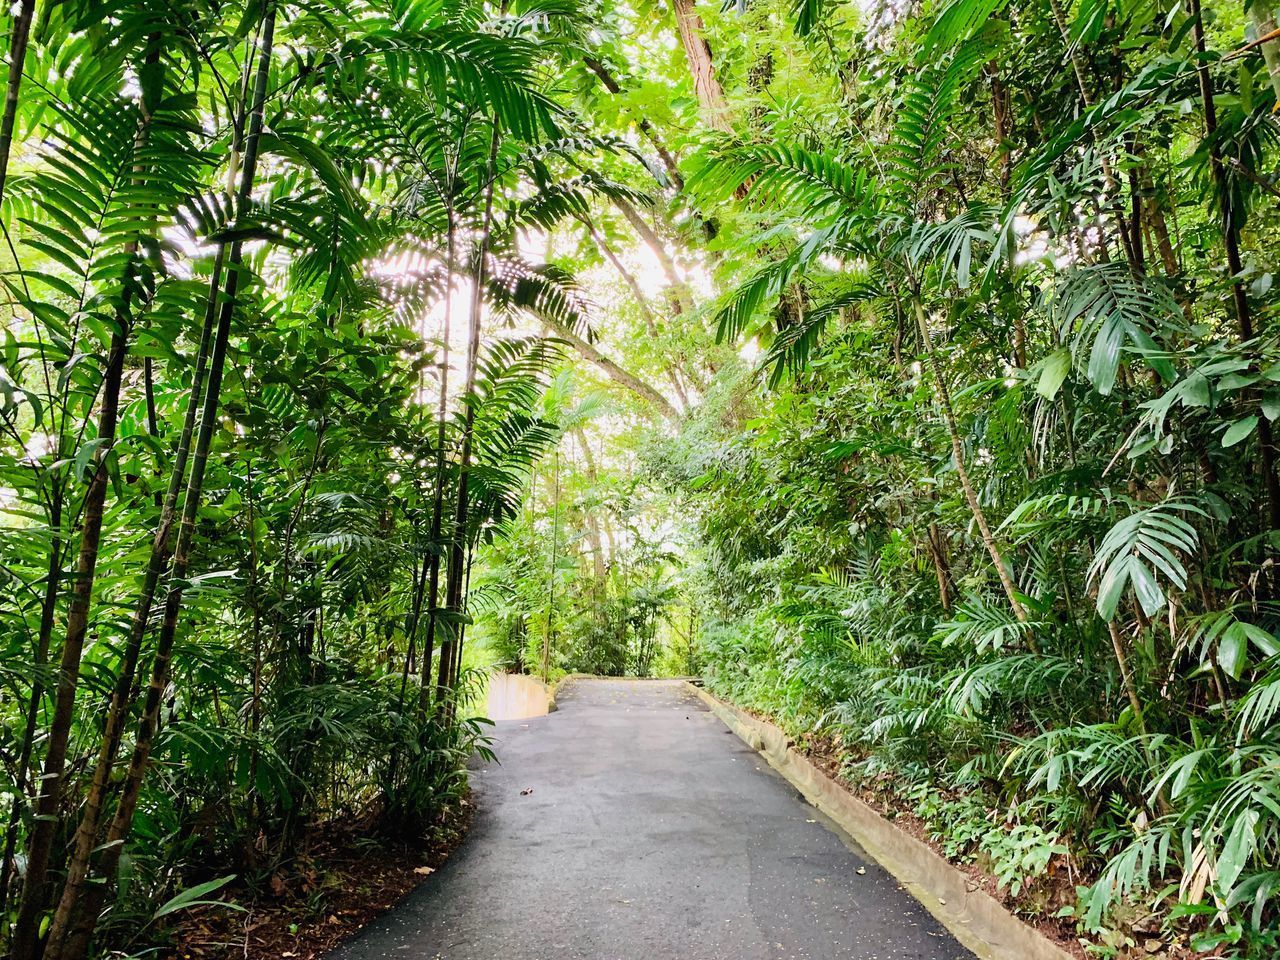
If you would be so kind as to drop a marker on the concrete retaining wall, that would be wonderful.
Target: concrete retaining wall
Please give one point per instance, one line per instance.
(975, 919)
(514, 696)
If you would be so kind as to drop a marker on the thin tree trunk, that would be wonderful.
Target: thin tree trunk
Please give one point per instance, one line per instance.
(1000, 114)
(611, 84)
(255, 704)
(456, 677)
(1231, 240)
(1264, 21)
(25, 945)
(18, 40)
(618, 374)
(1126, 676)
(1159, 228)
(437, 501)
(122, 691)
(957, 452)
(680, 289)
(551, 576)
(937, 549)
(610, 543)
(458, 541)
(1086, 97)
(599, 567)
(48, 608)
(646, 309)
(77, 927)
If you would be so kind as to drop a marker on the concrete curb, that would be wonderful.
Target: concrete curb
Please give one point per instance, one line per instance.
(553, 692)
(976, 919)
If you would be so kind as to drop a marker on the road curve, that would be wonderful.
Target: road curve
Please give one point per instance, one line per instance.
(632, 825)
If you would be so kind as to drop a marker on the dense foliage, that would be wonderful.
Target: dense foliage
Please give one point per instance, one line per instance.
(1004, 523)
(908, 370)
(246, 459)
(990, 508)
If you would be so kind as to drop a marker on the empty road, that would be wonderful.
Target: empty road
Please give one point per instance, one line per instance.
(631, 825)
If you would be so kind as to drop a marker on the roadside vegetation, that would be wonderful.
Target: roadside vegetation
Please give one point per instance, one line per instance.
(907, 371)
(264, 388)
(976, 489)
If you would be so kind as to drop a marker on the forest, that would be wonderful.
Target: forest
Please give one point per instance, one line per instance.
(907, 370)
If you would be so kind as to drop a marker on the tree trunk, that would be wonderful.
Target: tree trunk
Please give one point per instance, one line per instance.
(25, 945)
(617, 374)
(1086, 97)
(48, 607)
(18, 40)
(122, 691)
(1231, 240)
(680, 289)
(458, 541)
(437, 502)
(1000, 107)
(1264, 21)
(122, 694)
(697, 52)
(1159, 228)
(78, 911)
(551, 576)
(599, 565)
(957, 452)
(1126, 676)
(456, 676)
(646, 309)
(941, 569)
(668, 160)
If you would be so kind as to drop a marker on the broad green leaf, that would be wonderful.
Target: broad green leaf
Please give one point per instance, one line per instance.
(1239, 430)
(1233, 648)
(1271, 404)
(1238, 848)
(1053, 372)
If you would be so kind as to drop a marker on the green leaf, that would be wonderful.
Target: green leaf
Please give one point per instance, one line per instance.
(1239, 430)
(1196, 391)
(1053, 372)
(1271, 404)
(958, 21)
(1264, 640)
(192, 897)
(87, 454)
(1139, 551)
(1238, 849)
(1237, 381)
(1233, 650)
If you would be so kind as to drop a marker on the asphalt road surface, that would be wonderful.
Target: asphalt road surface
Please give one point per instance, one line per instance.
(632, 825)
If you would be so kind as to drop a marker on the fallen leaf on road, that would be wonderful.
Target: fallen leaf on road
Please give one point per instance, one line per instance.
(424, 871)
(526, 791)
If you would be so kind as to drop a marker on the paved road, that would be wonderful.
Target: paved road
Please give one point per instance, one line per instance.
(650, 833)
